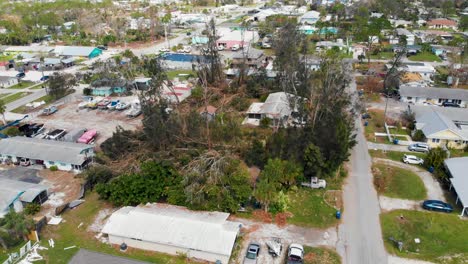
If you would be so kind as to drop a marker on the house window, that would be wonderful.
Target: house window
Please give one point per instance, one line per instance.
(435, 140)
(457, 101)
(441, 100)
(63, 164)
(409, 98)
(51, 163)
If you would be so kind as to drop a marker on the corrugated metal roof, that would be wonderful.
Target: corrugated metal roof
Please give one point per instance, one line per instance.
(30, 190)
(433, 93)
(89, 257)
(74, 51)
(458, 171)
(43, 149)
(175, 226)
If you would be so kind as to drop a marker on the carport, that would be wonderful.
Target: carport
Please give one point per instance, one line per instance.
(457, 169)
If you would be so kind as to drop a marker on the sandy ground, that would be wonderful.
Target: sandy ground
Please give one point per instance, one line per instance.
(262, 232)
(69, 117)
(397, 260)
(388, 204)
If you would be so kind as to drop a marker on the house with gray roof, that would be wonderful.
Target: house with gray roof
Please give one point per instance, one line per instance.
(457, 169)
(253, 58)
(15, 194)
(84, 256)
(7, 81)
(432, 95)
(442, 126)
(66, 156)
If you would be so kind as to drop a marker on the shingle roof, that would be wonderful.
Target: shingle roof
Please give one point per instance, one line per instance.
(445, 22)
(84, 256)
(433, 121)
(433, 93)
(43, 149)
(458, 171)
(175, 226)
(250, 53)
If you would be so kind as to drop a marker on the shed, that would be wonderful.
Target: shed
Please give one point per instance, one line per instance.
(457, 168)
(174, 230)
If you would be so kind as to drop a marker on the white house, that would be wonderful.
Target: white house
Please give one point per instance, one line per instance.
(310, 17)
(174, 230)
(433, 95)
(66, 156)
(456, 167)
(7, 81)
(426, 70)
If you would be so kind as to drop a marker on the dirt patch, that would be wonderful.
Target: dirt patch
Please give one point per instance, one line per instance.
(262, 216)
(281, 219)
(100, 220)
(334, 198)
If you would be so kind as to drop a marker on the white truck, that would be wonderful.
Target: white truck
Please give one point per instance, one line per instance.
(315, 183)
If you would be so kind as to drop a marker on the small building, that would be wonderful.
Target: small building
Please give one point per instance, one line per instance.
(16, 194)
(442, 23)
(174, 230)
(77, 51)
(310, 18)
(253, 58)
(445, 127)
(276, 107)
(66, 156)
(107, 91)
(432, 95)
(7, 81)
(457, 170)
(84, 256)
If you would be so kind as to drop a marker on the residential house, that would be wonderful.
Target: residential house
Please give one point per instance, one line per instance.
(425, 70)
(77, 51)
(66, 156)
(107, 90)
(400, 23)
(457, 170)
(7, 81)
(278, 107)
(16, 194)
(330, 44)
(432, 95)
(445, 127)
(174, 230)
(442, 23)
(253, 58)
(410, 37)
(309, 18)
(84, 256)
(229, 37)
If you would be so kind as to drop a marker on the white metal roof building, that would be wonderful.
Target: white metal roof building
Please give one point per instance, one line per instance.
(13, 193)
(174, 230)
(457, 168)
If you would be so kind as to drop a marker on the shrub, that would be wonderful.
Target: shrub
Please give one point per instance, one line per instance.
(87, 91)
(32, 208)
(265, 122)
(53, 168)
(418, 136)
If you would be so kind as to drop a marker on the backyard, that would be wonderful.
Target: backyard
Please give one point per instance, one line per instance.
(442, 236)
(396, 182)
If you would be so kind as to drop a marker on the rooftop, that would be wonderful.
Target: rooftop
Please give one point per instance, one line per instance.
(459, 173)
(433, 92)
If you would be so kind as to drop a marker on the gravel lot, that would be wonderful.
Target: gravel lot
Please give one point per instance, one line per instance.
(69, 117)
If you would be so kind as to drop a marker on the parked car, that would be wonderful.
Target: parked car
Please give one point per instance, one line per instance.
(450, 104)
(187, 49)
(164, 50)
(411, 159)
(235, 47)
(266, 45)
(44, 78)
(436, 205)
(419, 147)
(20, 75)
(102, 47)
(295, 254)
(49, 110)
(56, 134)
(220, 47)
(252, 253)
(25, 162)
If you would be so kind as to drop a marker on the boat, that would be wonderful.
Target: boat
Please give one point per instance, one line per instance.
(87, 137)
(103, 104)
(93, 104)
(113, 104)
(122, 106)
(135, 110)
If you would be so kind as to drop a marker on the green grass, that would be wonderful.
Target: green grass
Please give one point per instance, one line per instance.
(320, 255)
(21, 85)
(383, 56)
(393, 155)
(458, 153)
(11, 98)
(4, 95)
(4, 253)
(398, 183)
(441, 235)
(23, 109)
(4, 57)
(68, 234)
(424, 56)
(174, 74)
(375, 124)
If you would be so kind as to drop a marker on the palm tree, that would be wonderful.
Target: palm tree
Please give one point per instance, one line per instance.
(3, 110)
(17, 224)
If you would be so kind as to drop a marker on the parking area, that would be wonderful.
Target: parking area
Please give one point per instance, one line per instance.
(69, 117)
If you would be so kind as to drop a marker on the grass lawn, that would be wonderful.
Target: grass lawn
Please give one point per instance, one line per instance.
(11, 98)
(68, 234)
(375, 124)
(458, 153)
(174, 74)
(424, 56)
(320, 255)
(393, 155)
(21, 85)
(383, 56)
(4, 95)
(398, 183)
(4, 253)
(441, 235)
(23, 109)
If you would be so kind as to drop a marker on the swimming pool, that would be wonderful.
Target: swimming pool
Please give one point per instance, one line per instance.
(180, 57)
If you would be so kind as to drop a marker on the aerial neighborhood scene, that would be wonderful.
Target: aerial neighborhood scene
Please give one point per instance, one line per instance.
(234, 131)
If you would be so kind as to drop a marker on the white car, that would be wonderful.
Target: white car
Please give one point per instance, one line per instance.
(220, 47)
(411, 159)
(164, 50)
(235, 47)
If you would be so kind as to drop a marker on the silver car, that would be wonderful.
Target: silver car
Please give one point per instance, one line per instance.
(252, 253)
(411, 159)
(419, 147)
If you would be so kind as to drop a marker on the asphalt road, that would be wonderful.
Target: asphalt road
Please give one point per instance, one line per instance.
(360, 232)
(29, 98)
